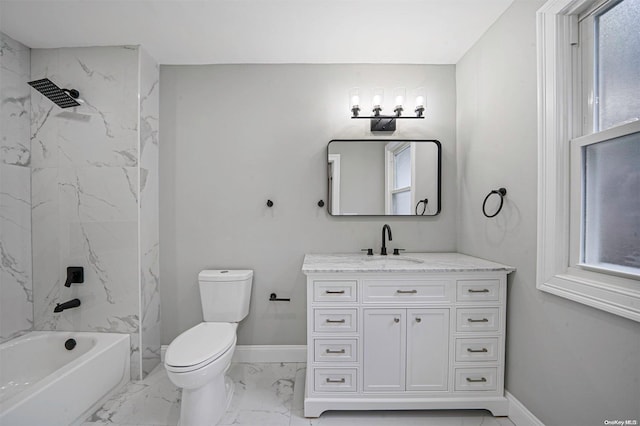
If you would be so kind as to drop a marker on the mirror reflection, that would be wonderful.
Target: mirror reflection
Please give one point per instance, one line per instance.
(384, 177)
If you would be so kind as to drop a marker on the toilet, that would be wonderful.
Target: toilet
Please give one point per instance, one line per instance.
(197, 360)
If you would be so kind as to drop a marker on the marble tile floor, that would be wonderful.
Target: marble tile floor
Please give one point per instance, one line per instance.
(265, 395)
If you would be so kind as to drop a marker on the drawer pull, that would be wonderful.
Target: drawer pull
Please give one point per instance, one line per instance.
(334, 291)
(477, 320)
(470, 380)
(406, 291)
(341, 351)
(418, 319)
(483, 350)
(396, 320)
(340, 321)
(343, 380)
(484, 290)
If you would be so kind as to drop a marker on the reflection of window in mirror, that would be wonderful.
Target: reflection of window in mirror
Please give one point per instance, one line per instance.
(399, 178)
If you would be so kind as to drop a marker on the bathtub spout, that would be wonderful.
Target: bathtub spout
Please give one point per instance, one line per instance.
(73, 303)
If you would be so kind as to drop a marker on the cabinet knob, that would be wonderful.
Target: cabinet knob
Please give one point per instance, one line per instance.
(418, 319)
(396, 320)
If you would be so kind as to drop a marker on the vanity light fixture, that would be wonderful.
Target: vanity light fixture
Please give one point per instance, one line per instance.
(386, 123)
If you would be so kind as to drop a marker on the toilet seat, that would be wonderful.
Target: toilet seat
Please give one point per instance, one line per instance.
(200, 346)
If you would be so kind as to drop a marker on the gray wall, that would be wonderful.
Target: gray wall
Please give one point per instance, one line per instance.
(567, 363)
(234, 136)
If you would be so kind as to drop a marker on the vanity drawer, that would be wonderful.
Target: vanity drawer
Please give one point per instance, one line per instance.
(406, 291)
(477, 319)
(477, 290)
(334, 291)
(335, 379)
(472, 350)
(335, 320)
(335, 350)
(476, 379)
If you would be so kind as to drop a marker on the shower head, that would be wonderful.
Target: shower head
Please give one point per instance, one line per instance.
(64, 98)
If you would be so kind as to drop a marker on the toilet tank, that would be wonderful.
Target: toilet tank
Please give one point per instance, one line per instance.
(225, 294)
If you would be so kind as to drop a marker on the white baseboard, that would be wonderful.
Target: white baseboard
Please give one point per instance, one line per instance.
(263, 353)
(519, 414)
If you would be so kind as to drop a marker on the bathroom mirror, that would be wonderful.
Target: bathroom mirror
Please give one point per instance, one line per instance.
(374, 177)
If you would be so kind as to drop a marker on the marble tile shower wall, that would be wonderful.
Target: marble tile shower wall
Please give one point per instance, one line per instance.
(16, 292)
(149, 220)
(86, 193)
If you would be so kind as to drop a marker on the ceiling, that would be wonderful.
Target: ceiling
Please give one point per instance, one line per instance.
(259, 31)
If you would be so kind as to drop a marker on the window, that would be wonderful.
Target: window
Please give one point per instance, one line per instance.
(399, 193)
(617, 63)
(589, 153)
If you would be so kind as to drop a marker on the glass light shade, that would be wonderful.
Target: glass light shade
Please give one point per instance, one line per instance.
(399, 95)
(354, 97)
(378, 98)
(354, 101)
(421, 101)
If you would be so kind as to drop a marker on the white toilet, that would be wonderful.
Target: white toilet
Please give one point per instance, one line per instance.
(197, 360)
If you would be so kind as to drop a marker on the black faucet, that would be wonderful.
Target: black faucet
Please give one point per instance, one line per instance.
(383, 250)
(73, 303)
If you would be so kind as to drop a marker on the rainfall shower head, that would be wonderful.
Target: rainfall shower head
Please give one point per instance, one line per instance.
(64, 98)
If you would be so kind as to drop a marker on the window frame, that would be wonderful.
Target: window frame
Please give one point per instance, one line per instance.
(390, 151)
(560, 119)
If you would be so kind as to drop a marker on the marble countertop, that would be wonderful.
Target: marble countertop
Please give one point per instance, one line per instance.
(407, 262)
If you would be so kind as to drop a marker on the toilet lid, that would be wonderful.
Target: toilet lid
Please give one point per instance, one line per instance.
(204, 342)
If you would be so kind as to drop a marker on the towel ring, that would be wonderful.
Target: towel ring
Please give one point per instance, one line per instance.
(501, 192)
(424, 206)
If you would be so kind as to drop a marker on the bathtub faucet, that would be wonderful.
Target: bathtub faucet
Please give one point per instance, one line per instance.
(73, 303)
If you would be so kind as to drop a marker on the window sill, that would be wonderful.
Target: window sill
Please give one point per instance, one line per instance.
(615, 298)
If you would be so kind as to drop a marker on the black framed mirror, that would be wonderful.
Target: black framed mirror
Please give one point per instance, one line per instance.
(375, 177)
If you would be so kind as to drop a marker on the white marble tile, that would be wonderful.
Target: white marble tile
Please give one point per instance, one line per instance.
(262, 392)
(106, 77)
(16, 290)
(101, 132)
(153, 401)
(264, 397)
(149, 212)
(98, 194)
(90, 179)
(14, 102)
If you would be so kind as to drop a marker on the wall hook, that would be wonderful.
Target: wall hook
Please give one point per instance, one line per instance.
(269, 203)
(501, 192)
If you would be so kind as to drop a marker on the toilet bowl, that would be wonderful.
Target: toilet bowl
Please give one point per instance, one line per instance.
(197, 359)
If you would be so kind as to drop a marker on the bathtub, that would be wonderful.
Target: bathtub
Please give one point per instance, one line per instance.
(43, 383)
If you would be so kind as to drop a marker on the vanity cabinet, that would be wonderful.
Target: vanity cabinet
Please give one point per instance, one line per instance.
(405, 349)
(392, 337)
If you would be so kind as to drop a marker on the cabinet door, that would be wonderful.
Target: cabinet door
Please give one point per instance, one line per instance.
(384, 349)
(427, 349)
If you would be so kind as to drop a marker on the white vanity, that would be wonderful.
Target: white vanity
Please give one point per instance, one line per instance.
(417, 331)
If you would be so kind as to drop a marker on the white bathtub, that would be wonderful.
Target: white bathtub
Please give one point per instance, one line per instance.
(43, 383)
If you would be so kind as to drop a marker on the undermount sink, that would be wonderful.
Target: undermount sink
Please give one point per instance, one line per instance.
(392, 260)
